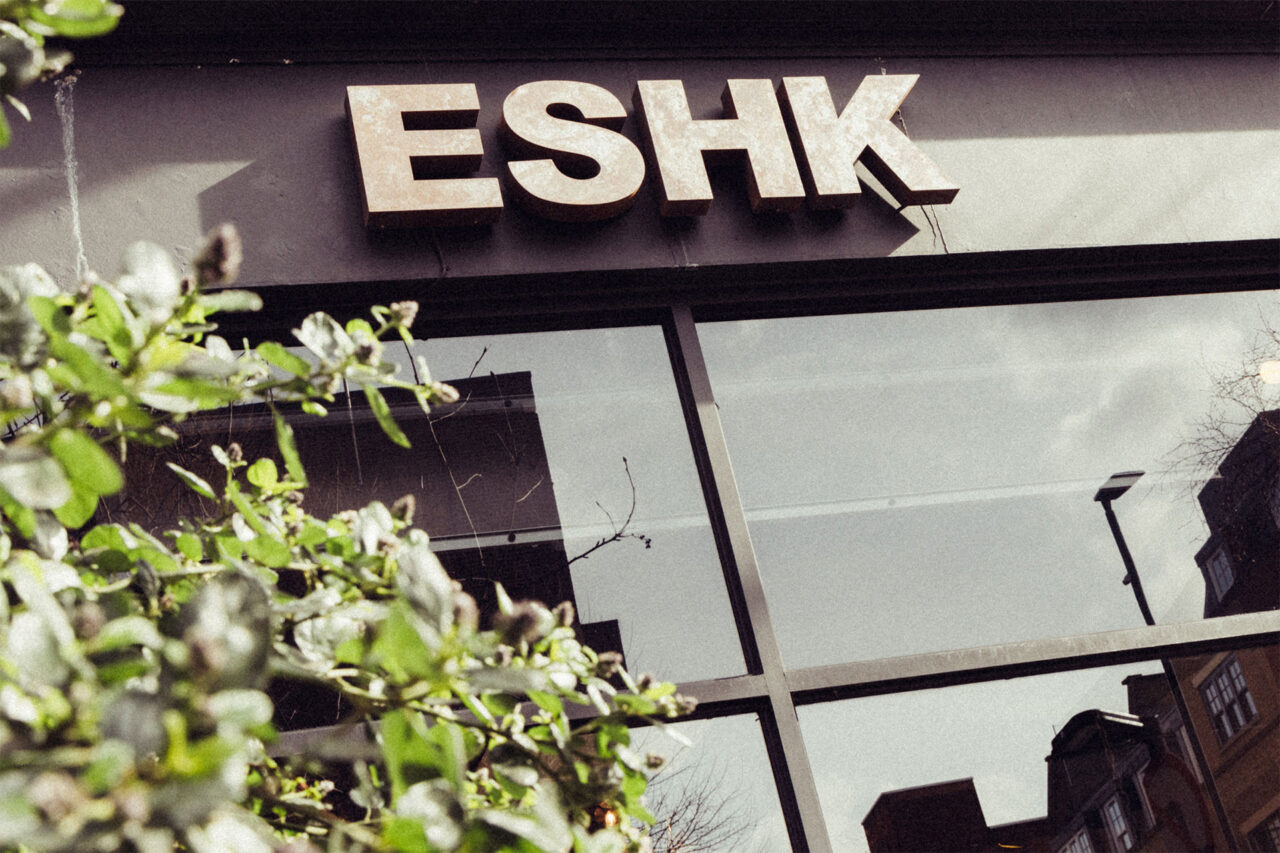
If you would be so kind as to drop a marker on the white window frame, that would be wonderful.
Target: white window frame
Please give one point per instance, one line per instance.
(1119, 831)
(1227, 699)
(1268, 829)
(1079, 843)
(1222, 573)
(1148, 814)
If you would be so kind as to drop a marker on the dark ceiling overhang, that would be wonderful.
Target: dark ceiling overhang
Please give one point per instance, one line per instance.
(168, 31)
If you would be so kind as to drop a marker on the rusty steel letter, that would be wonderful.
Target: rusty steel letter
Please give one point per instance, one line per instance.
(578, 170)
(754, 125)
(863, 131)
(412, 143)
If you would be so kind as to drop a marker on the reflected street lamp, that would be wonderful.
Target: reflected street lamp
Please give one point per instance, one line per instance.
(1112, 489)
(1116, 486)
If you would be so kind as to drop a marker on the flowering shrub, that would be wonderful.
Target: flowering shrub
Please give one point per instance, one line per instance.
(133, 713)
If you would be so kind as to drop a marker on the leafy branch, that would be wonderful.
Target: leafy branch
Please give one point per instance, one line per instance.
(133, 664)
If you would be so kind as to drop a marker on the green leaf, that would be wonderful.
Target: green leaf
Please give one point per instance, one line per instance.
(548, 702)
(22, 517)
(112, 761)
(194, 481)
(241, 708)
(85, 462)
(79, 509)
(113, 328)
(263, 474)
(248, 510)
(126, 631)
(112, 537)
(405, 835)
(232, 301)
(274, 353)
(189, 545)
(87, 372)
(33, 478)
(382, 412)
(269, 551)
(44, 307)
(289, 449)
(6, 132)
(201, 392)
(78, 18)
(358, 327)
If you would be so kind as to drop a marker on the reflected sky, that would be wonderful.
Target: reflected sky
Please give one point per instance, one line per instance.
(924, 480)
(998, 733)
(603, 396)
(716, 794)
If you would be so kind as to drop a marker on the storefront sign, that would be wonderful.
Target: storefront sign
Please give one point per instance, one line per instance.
(569, 161)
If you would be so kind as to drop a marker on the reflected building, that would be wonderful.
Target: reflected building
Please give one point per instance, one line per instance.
(944, 816)
(1115, 784)
(1121, 782)
(477, 470)
(1234, 697)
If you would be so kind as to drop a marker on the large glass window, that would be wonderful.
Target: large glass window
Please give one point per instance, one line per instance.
(1016, 762)
(924, 480)
(564, 472)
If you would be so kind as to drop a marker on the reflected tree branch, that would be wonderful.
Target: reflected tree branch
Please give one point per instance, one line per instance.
(621, 531)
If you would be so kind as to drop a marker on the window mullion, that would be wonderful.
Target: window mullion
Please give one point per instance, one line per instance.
(797, 789)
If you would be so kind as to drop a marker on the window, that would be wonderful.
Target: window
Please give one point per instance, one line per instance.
(1117, 825)
(1226, 696)
(1221, 573)
(1079, 843)
(1140, 785)
(1275, 502)
(1266, 838)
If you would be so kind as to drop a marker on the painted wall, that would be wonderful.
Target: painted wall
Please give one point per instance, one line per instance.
(1048, 152)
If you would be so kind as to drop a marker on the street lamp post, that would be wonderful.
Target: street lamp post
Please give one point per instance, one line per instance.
(1116, 486)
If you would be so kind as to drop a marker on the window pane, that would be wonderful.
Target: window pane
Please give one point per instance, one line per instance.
(564, 472)
(1057, 762)
(627, 497)
(717, 794)
(925, 480)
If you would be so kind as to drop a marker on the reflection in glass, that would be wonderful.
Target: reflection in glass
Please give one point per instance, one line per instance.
(563, 472)
(715, 795)
(923, 480)
(1097, 759)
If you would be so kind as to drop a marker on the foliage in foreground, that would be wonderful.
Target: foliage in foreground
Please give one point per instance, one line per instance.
(24, 55)
(132, 666)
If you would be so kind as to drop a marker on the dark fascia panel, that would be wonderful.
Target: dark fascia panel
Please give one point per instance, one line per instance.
(730, 292)
(209, 31)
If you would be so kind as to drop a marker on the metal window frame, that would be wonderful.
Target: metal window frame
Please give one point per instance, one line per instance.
(776, 692)
(676, 301)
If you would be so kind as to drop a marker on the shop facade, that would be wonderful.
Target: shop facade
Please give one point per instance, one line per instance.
(839, 446)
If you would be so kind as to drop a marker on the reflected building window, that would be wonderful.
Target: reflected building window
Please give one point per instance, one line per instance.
(1275, 503)
(1079, 843)
(1266, 837)
(1117, 825)
(1226, 696)
(1220, 572)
